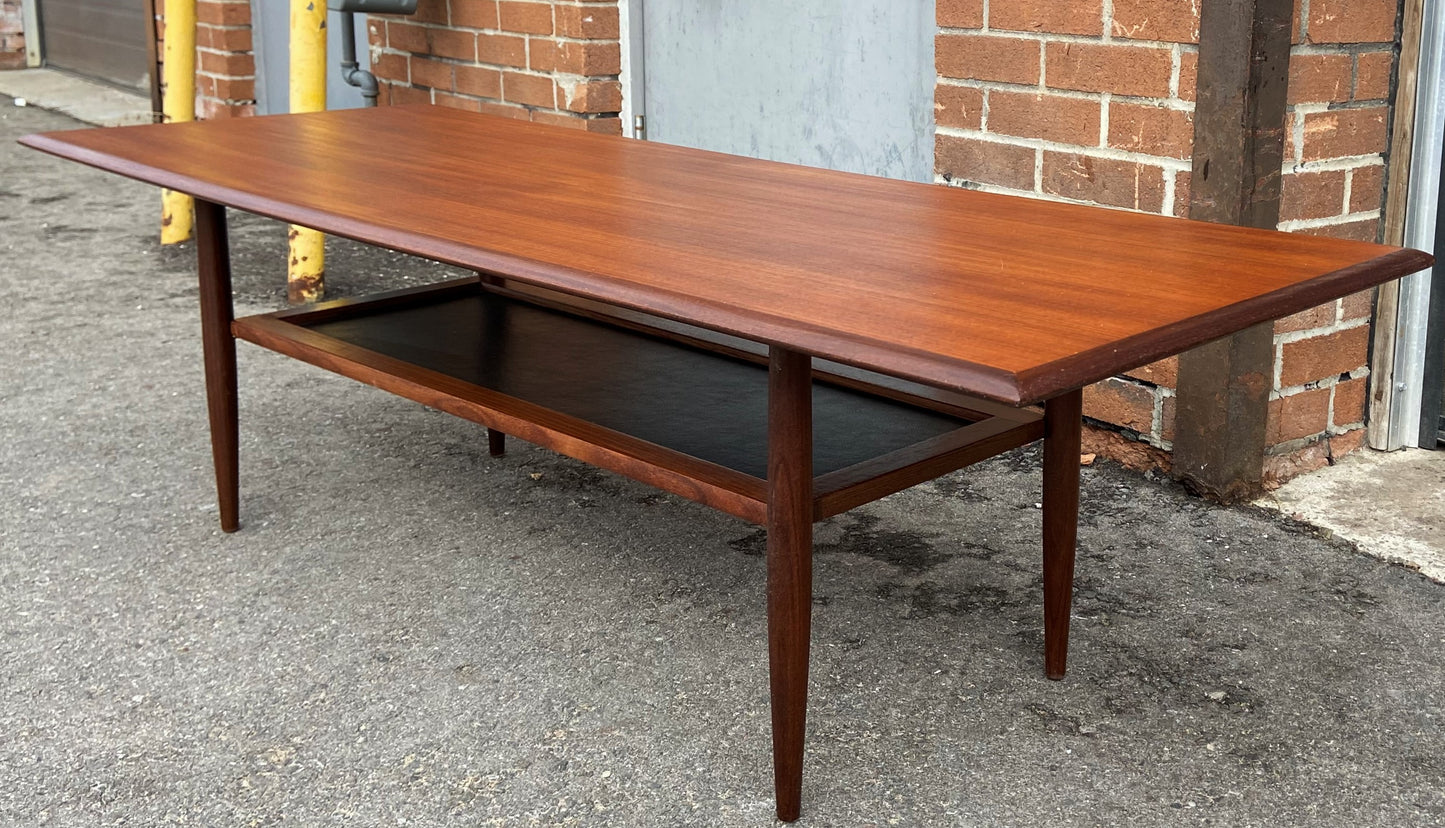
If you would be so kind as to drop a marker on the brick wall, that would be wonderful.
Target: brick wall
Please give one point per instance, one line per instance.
(12, 35)
(1093, 101)
(553, 61)
(225, 64)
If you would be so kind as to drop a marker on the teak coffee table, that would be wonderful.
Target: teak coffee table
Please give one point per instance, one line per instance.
(777, 342)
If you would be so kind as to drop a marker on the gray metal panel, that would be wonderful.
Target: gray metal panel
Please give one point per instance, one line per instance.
(846, 84)
(104, 39)
(271, 30)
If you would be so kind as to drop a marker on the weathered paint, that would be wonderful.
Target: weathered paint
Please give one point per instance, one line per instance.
(179, 104)
(306, 264)
(271, 28)
(846, 85)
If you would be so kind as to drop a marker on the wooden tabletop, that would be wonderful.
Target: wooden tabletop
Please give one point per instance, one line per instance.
(1009, 298)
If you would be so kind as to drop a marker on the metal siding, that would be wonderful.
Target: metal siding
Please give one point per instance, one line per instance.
(846, 85)
(103, 39)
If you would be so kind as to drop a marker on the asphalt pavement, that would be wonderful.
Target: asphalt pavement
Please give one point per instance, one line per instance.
(407, 631)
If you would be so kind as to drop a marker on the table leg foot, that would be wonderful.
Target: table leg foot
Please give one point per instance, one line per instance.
(213, 258)
(1063, 419)
(496, 442)
(790, 567)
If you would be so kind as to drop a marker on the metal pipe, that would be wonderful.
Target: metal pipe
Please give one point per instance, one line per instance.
(351, 71)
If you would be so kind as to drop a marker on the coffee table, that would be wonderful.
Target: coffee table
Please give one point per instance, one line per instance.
(778, 342)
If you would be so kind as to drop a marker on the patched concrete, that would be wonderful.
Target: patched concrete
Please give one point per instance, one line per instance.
(1389, 504)
(407, 631)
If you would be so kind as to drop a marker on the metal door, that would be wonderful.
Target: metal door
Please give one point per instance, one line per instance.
(103, 39)
(271, 29)
(846, 84)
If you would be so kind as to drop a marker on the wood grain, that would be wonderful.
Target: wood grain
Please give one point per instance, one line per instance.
(1012, 299)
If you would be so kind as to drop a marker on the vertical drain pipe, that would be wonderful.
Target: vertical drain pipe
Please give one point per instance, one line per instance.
(351, 71)
(178, 104)
(306, 264)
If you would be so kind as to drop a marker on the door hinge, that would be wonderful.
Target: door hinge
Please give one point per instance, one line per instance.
(639, 127)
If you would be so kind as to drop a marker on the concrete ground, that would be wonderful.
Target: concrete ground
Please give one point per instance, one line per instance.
(80, 98)
(1389, 504)
(408, 632)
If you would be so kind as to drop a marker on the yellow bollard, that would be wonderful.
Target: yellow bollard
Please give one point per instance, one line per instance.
(178, 104)
(306, 265)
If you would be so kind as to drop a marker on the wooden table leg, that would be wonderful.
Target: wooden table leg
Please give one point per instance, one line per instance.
(213, 257)
(1063, 419)
(496, 442)
(790, 565)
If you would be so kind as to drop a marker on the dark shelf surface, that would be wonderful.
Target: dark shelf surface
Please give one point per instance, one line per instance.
(701, 403)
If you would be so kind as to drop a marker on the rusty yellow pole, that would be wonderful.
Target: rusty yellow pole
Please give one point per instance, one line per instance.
(178, 104)
(306, 266)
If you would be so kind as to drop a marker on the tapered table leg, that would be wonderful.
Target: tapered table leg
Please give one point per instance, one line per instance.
(219, 347)
(790, 566)
(496, 442)
(1063, 418)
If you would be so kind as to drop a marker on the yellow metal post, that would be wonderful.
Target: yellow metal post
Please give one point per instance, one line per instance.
(306, 266)
(178, 104)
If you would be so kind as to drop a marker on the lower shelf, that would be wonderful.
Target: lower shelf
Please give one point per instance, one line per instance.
(680, 415)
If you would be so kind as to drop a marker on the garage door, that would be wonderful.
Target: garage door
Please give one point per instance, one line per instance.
(103, 39)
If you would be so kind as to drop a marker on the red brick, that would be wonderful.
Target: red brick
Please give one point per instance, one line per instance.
(391, 67)
(981, 57)
(1365, 230)
(1050, 117)
(503, 50)
(223, 14)
(458, 102)
(1339, 133)
(1323, 357)
(1103, 181)
(606, 125)
(1168, 409)
(960, 107)
(1107, 67)
(1351, 21)
(579, 57)
(985, 162)
(587, 22)
(558, 119)
(542, 54)
(505, 110)
(1372, 75)
(535, 90)
(1320, 78)
(591, 96)
(529, 18)
(234, 90)
(431, 11)
(1081, 17)
(1367, 188)
(474, 14)
(1188, 75)
(1181, 193)
(409, 95)
(212, 109)
(1312, 195)
(1121, 403)
(1317, 317)
(226, 63)
(480, 81)
(224, 39)
(407, 37)
(1299, 415)
(1359, 305)
(1171, 20)
(432, 73)
(1154, 130)
(960, 14)
(1163, 373)
(1349, 402)
(453, 44)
